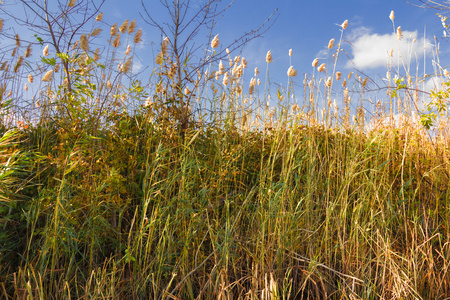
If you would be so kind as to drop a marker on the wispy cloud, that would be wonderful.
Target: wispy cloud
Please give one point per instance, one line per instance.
(372, 50)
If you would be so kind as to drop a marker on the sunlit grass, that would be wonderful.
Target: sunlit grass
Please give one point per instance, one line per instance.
(208, 191)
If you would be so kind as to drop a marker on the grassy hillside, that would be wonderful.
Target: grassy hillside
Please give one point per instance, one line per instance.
(109, 190)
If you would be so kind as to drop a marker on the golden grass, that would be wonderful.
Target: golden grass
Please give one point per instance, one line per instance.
(119, 191)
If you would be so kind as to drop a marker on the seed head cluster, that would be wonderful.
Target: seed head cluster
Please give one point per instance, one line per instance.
(315, 63)
(291, 72)
(269, 57)
(45, 51)
(215, 42)
(321, 68)
(391, 15)
(330, 44)
(48, 76)
(132, 26)
(99, 17)
(124, 27)
(84, 45)
(137, 36)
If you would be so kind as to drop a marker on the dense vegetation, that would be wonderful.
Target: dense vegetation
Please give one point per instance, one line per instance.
(115, 192)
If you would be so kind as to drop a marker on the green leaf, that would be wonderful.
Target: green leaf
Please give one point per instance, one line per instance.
(64, 56)
(41, 41)
(49, 61)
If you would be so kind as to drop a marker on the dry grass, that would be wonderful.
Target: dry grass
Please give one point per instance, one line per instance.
(113, 191)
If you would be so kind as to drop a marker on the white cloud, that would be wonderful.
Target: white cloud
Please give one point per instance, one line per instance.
(371, 50)
(433, 83)
(137, 66)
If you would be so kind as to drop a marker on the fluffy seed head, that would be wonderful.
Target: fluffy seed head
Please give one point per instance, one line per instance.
(252, 85)
(137, 36)
(30, 78)
(159, 58)
(345, 24)
(26, 87)
(17, 39)
(291, 72)
(221, 68)
(45, 52)
(328, 83)
(446, 73)
(392, 16)
(215, 42)
(18, 64)
(96, 54)
(290, 52)
(321, 68)
(71, 3)
(244, 63)
(256, 72)
(116, 41)
(124, 26)
(96, 32)
(128, 50)
(84, 45)
(399, 32)
(187, 91)
(237, 71)
(225, 79)
(344, 83)
(148, 102)
(113, 30)
(48, 76)
(164, 45)
(338, 75)
(13, 53)
(269, 57)
(315, 62)
(99, 17)
(28, 51)
(364, 83)
(330, 44)
(132, 26)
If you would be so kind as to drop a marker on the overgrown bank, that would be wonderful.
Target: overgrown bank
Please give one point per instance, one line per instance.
(137, 212)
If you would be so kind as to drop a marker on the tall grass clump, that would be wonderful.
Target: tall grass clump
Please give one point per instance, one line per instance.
(112, 190)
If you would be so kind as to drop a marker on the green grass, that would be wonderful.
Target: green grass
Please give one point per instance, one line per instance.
(299, 213)
(102, 197)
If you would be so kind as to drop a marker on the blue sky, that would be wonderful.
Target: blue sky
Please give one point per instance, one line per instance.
(307, 26)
